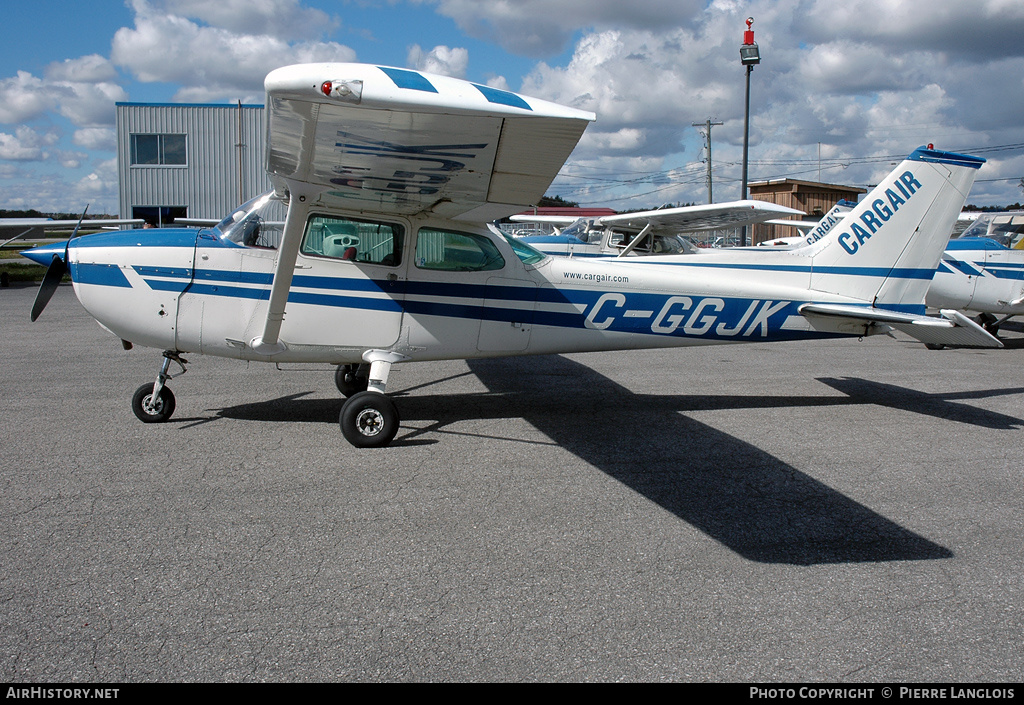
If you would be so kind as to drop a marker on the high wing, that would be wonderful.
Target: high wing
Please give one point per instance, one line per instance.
(798, 224)
(693, 218)
(399, 141)
(672, 221)
(389, 140)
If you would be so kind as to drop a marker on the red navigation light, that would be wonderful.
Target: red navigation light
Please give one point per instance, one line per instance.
(326, 87)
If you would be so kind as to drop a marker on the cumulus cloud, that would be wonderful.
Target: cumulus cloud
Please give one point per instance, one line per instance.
(71, 160)
(209, 61)
(441, 60)
(86, 69)
(76, 89)
(89, 104)
(977, 29)
(283, 19)
(96, 138)
(26, 144)
(24, 97)
(544, 27)
(850, 81)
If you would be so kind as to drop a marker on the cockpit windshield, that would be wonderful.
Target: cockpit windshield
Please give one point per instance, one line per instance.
(1005, 228)
(256, 223)
(527, 253)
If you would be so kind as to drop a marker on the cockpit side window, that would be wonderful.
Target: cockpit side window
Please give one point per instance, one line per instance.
(456, 252)
(347, 239)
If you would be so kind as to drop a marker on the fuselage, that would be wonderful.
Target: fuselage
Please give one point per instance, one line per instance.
(979, 274)
(429, 289)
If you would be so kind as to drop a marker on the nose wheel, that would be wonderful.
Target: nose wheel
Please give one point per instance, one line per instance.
(154, 403)
(150, 408)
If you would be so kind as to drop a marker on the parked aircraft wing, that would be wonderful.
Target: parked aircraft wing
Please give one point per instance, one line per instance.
(12, 229)
(671, 221)
(393, 140)
(693, 218)
(547, 219)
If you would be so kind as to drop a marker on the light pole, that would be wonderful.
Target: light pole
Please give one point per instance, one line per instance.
(749, 57)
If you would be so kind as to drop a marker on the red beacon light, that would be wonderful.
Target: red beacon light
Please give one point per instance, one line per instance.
(750, 56)
(344, 90)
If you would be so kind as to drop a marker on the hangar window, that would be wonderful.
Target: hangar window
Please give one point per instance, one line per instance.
(365, 241)
(158, 150)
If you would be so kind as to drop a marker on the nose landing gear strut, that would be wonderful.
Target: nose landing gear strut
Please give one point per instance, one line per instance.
(154, 403)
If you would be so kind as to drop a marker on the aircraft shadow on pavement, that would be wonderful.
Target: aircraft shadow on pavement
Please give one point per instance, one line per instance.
(748, 500)
(745, 498)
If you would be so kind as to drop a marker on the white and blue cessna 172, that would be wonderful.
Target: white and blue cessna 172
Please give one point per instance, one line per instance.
(373, 250)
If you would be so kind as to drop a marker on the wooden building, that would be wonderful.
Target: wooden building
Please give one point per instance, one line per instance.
(813, 198)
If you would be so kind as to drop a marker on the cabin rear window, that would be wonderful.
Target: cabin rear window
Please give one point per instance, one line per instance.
(352, 240)
(456, 252)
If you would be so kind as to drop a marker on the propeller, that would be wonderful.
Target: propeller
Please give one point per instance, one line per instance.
(54, 273)
(51, 280)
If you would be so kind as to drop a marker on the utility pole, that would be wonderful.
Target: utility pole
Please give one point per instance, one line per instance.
(707, 135)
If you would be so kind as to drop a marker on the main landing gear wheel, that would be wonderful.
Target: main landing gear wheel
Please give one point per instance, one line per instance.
(369, 420)
(150, 410)
(989, 322)
(352, 379)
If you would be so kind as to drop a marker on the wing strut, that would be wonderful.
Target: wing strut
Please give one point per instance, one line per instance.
(637, 240)
(294, 225)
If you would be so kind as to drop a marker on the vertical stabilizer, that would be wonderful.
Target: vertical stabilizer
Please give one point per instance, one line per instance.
(885, 251)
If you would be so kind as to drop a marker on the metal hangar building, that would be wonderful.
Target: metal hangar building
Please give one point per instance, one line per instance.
(188, 161)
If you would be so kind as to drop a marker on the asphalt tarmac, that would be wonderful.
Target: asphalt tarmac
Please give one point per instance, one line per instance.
(840, 511)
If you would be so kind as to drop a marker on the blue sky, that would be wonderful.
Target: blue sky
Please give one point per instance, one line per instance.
(858, 84)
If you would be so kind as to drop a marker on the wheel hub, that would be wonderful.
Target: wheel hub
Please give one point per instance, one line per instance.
(370, 422)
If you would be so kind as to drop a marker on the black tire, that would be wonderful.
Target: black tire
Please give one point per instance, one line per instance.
(369, 420)
(352, 379)
(989, 322)
(152, 413)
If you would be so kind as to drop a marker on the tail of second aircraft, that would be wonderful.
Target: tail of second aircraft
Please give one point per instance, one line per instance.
(884, 252)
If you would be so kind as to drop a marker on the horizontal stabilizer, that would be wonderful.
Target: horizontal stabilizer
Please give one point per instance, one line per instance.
(954, 328)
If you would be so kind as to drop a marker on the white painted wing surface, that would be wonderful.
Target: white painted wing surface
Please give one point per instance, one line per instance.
(400, 141)
(693, 218)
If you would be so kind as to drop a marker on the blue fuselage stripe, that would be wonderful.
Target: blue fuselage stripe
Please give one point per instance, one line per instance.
(100, 274)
